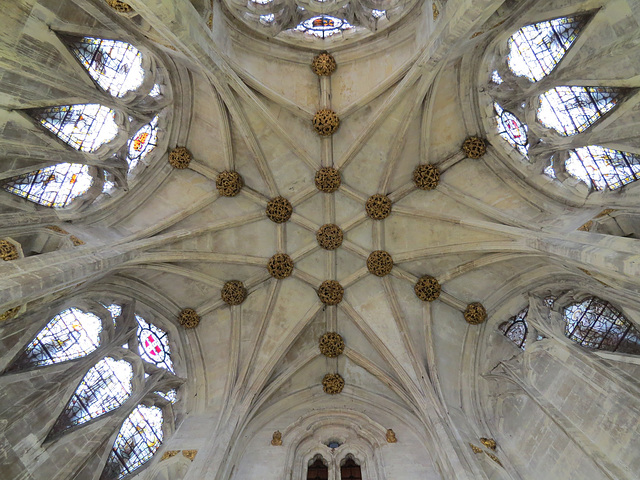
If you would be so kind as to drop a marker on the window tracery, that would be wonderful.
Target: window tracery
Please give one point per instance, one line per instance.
(323, 26)
(595, 323)
(512, 129)
(142, 143)
(153, 344)
(516, 328)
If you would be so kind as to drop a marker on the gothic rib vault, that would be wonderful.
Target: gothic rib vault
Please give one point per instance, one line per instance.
(487, 229)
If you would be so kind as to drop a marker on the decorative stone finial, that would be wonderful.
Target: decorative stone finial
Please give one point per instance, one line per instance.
(324, 64)
(119, 6)
(279, 210)
(280, 266)
(189, 318)
(378, 206)
(391, 436)
(332, 383)
(8, 251)
(474, 147)
(9, 314)
(379, 263)
(331, 344)
(326, 122)
(229, 184)
(329, 236)
(426, 177)
(328, 179)
(330, 292)
(233, 292)
(427, 289)
(488, 442)
(276, 440)
(475, 313)
(180, 158)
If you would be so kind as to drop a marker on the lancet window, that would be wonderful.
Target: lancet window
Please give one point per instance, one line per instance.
(125, 383)
(350, 470)
(102, 133)
(535, 52)
(516, 328)
(596, 323)
(318, 469)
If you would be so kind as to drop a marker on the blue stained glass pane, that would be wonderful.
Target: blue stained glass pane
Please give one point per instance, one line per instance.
(595, 323)
(84, 127)
(512, 129)
(571, 110)
(603, 168)
(138, 439)
(535, 50)
(115, 66)
(104, 388)
(142, 143)
(70, 334)
(54, 186)
(153, 344)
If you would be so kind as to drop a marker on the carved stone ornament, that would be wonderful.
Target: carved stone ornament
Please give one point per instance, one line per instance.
(326, 122)
(180, 158)
(279, 210)
(119, 6)
(330, 292)
(332, 383)
(8, 251)
(169, 454)
(76, 241)
(379, 263)
(328, 179)
(9, 314)
(474, 147)
(329, 236)
(436, 12)
(229, 184)
(280, 266)
(475, 449)
(234, 292)
(427, 289)
(331, 344)
(426, 177)
(494, 458)
(57, 229)
(475, 313)
(324, 64)
(378, 206)
(189, 318)
(190, 454)
(391, 436)
(488, 442)
(276, 440)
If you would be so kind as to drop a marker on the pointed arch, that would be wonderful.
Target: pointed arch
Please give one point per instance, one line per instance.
(139, 438)
(114, 65)
(318, 468)
(535, 50)
(104, 388)
(71, 334)
(350, 469)
(571, 110)
(516, 328)
(55, 186)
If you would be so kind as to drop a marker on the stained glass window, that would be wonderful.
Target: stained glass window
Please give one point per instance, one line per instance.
(115, 66)
(84, 127)
(323, 26)
(267, 19)
(170, 396)
(114, 309)
(317, 470)
(155, 91)
(138, 439)
(377, 14)
(535, 50)
(595, 323)
(603, 168)
(571, 110)
(153, 344)
(104, 388)
(496, 78)
(516, 328)
(70, 334)
(350, 470)
(54, 186)
(143, 142)
(512, 129)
